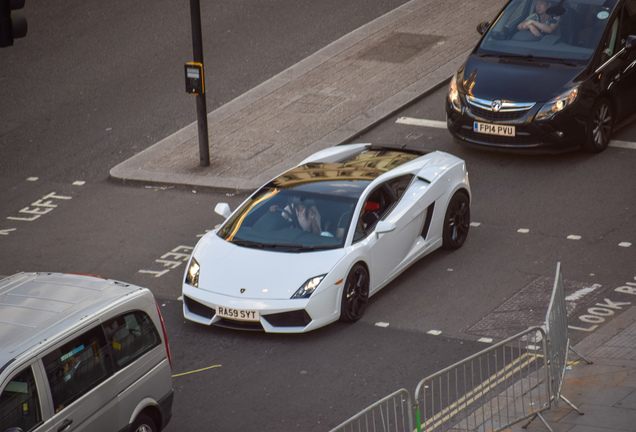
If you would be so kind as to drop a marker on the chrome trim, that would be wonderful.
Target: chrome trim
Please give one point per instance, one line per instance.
(505, 106)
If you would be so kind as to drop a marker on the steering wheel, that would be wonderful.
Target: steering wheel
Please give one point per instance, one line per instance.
(285, 214)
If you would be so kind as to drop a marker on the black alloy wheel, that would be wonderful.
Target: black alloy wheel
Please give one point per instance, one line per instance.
(355, 295)
(599, 127)
(456, 221)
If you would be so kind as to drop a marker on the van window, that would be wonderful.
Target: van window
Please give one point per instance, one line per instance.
(19, 402)
(130, 336)
(77, 367)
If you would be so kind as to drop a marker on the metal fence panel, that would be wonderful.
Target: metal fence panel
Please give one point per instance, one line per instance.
(557, 334)
(392, 413)
(489, 391)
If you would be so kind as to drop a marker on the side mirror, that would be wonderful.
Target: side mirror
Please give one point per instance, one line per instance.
(223, 209)
(630, 43)
(384, 227)
(482, 27)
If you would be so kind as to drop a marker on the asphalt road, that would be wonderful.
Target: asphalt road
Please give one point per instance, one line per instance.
(92, 84)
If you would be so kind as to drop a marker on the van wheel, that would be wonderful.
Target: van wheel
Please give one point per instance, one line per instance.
(599, 127)
(144, 423)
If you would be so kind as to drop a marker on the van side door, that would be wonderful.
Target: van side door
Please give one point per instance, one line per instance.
(142, 369)
(78, 372)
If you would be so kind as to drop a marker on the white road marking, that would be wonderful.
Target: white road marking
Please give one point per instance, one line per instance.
(421, 122)
(411, 121)
(623, 144)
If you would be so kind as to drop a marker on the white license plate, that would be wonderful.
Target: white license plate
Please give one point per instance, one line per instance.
(237, 314)
(494, 129)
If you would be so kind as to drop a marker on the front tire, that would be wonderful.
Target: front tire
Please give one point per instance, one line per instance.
(599, 127)
(456, 221)
(144, 423)
(355, 294)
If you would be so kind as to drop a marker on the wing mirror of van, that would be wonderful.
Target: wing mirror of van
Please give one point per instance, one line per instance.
(482, 27)
(630, 43)
(223, 209)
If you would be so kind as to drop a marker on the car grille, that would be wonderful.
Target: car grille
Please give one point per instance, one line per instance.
(507, 110)
(199, 309)
(289, 319)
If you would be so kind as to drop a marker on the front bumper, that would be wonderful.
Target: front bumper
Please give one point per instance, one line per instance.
(275, 316)
(565, 132)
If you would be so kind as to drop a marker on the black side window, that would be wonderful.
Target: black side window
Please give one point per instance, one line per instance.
(77, 367)
(130, 336)
(377, 205)
(19, 402)
(400, 184)
(628, 22)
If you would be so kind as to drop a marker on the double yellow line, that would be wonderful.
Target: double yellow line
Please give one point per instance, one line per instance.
(470, 398)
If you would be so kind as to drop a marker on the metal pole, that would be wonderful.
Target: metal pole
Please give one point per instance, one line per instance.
(202, 110)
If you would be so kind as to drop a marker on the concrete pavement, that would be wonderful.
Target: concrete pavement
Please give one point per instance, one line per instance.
(331, 97)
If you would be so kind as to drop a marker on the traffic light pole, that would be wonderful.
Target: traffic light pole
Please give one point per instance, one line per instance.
(202, 110)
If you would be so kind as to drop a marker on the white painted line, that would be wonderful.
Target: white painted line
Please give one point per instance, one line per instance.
(421, 122)
(32, 179)
(623, 144)
(434, 332)
(625, 244)
(79, 183)
(574, 237)
(475, 224)
(485, 340)
(411, 121)
(382, 324)
(578, 295)
(523, 230)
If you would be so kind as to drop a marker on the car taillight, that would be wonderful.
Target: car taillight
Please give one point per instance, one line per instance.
(165, 336)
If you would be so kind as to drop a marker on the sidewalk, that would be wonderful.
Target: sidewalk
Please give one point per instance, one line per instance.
(339, 92)
(326, 99)
(605, 391)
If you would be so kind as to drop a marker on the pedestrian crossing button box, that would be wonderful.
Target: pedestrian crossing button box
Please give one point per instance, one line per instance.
(194, 78)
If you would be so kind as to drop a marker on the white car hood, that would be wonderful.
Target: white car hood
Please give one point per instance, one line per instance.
(227, 269)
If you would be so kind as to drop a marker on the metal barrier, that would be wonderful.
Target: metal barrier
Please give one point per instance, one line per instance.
(558, 341)
(514, 380)
(390, 414)
(488, 391)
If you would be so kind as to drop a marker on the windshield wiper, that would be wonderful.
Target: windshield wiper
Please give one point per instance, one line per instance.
(248, 243)
(531, 57)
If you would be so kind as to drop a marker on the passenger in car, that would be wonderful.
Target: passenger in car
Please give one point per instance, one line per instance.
(540, 22)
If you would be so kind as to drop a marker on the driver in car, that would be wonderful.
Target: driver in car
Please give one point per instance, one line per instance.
(306, 213)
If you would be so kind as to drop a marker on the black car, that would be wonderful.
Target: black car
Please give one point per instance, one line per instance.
(547, 78)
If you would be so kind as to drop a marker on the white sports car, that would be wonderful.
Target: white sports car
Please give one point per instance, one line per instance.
(312, 245)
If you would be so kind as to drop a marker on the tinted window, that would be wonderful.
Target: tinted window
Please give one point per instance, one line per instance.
(130, 336)
(273, 219)
(19, 402)
(77, 366)
(576, 30)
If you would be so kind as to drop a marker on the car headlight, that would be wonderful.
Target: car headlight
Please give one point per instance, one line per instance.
(192, 276)
(453, 94)
(558, 104)
(308, 287)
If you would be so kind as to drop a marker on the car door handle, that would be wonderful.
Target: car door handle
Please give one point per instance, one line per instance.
(65, 425)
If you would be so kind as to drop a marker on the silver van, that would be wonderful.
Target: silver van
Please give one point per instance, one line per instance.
(81, 353)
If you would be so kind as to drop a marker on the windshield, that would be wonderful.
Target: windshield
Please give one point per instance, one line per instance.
(561, 30)
(292, 220)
